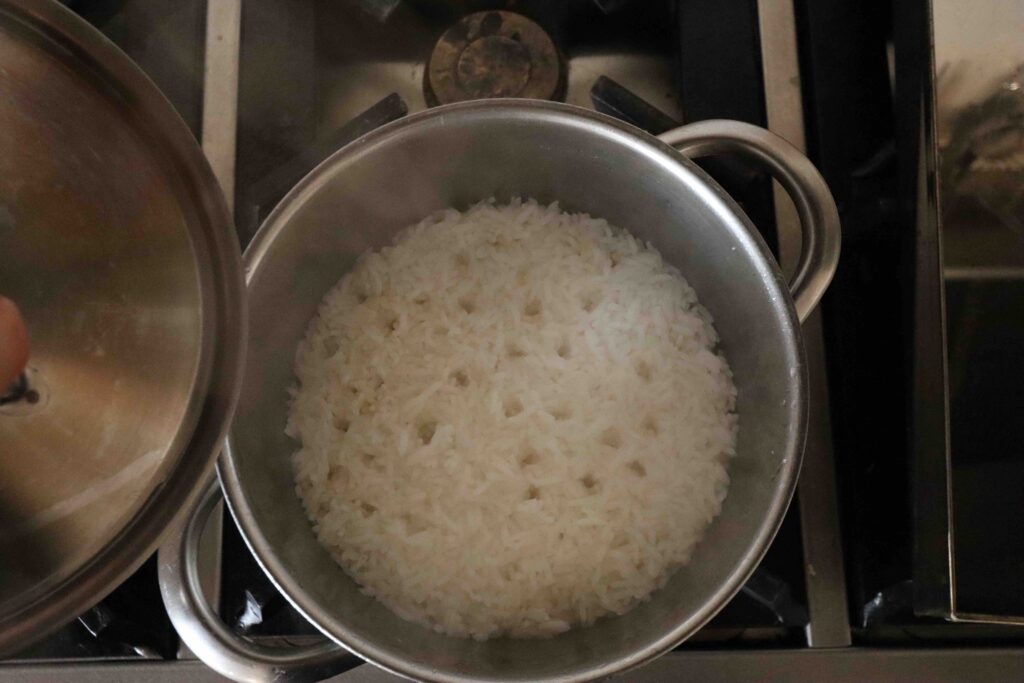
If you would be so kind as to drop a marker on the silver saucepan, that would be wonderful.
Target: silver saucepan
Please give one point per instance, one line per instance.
(454, 156)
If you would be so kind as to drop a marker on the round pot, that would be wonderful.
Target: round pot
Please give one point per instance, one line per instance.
(116, 244)
(455, 156)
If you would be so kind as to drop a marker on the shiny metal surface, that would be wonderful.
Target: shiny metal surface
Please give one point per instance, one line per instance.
(351, 87)
(218, 137)
(206, 635)
(117, 246)
(454, 156)
(494, 54)
(825, 577)
(819, 218)
(220, 91)
(358, 67)
(783, 108)
(818, 497)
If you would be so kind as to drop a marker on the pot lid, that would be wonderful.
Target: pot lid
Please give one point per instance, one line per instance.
(118, 248)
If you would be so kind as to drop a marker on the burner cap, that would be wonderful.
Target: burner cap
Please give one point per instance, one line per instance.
(494, 54)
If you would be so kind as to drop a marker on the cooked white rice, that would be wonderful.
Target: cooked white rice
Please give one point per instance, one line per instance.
(512, 421)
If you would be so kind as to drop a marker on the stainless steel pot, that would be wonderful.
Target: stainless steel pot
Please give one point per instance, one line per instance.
(455, 156)
(116, 244)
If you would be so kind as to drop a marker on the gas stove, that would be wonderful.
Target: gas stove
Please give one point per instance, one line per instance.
(272, 88)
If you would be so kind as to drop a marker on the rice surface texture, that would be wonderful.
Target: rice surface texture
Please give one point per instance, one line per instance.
(512, 421)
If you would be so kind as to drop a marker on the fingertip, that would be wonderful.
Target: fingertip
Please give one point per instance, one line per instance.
(14, 346)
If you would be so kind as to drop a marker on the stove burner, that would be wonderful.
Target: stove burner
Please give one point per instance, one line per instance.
(494, 54)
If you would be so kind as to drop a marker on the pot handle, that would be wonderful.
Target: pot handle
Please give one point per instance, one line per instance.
(819, 218)
(210, 639)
